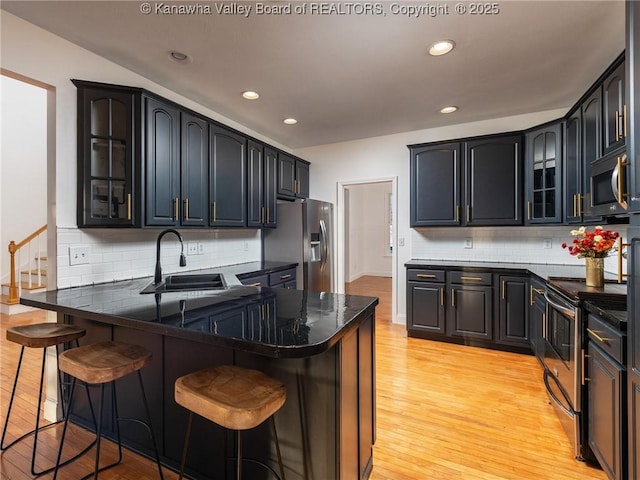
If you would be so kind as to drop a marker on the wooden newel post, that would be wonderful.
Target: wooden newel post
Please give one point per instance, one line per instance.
(13, 285)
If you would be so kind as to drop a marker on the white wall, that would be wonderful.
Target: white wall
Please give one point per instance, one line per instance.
(23, 164)
(368, 231)
(40, 55)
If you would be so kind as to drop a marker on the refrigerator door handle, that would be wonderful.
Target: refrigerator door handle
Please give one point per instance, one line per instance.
(323, 244)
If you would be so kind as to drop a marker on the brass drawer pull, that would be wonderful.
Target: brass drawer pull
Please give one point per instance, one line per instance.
(425, 275)
(284, 277)
(598, 337)
(478, 279)
(256, 284)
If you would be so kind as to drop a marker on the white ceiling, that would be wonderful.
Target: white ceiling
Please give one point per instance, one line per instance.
(352, 76)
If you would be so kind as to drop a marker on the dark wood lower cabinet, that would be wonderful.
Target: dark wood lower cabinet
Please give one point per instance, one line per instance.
(471, 311)
(513, 294)
(326, 427)
(425, 307)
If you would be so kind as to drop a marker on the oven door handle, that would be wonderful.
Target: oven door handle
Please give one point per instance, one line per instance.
(552, 394)
(569, 312)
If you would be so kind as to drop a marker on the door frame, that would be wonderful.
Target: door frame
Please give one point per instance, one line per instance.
(341, 243)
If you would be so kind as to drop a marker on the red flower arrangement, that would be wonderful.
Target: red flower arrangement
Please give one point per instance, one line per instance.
(596, 244)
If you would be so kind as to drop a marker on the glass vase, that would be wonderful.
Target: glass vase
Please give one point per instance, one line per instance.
(595, 271)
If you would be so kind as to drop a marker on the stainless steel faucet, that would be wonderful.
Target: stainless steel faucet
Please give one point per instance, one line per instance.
(183, 261)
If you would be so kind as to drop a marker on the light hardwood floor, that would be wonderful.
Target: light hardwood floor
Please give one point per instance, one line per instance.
(444, 412)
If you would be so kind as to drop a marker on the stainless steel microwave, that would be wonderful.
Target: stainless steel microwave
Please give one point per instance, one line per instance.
(608, 186)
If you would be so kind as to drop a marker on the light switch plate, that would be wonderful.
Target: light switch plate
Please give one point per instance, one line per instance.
(546, 243)
(468, 243)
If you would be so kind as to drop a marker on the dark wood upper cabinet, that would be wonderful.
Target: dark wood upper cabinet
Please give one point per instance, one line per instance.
(162, 163)
(493, 181)
(227, 178)
(614, 109)
(543, 175)
(435, 193)
(293, 177)
(262, 185)
(483, 187)
(194, 171)
(108, 157)
(591, 146)
(573, 171)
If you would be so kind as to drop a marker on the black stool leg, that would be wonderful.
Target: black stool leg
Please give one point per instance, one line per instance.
(64, 432)
(13, 393)
(186, 445)
(150, 426)
(239, 456)
(275, 435)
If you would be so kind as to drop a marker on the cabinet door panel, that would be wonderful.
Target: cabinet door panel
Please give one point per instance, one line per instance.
(270, 186)
(435, 185)
(543, 173)
(195, 171)
(227, 178)
(255, 184)
(162, 164)
(471, 312)
(286, 175)
(591, 145)
(513, 315)
(613, 100)
(632, 96)
(604, 387)
(573, 168)
(426, 310)
(493, 181)
(302, 177)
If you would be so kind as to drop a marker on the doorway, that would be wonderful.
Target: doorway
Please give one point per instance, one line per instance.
(366, 254)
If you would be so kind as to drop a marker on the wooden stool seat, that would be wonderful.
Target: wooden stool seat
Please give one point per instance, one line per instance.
(43, 335)
(233, 397)
(103, 362)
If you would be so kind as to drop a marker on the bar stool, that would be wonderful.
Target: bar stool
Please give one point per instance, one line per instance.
(40, 335)
(99, 364)
(235, 398)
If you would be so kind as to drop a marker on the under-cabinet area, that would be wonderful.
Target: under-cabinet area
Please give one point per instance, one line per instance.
(144, 161)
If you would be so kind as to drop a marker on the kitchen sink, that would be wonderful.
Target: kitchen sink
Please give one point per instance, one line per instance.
(181, 283)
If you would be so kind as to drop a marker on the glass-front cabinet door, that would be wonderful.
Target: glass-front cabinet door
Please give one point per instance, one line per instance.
(544, 164)
(105, 160)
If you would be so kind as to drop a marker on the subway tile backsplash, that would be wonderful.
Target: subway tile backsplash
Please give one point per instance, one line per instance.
(503, 244)
(123, 254)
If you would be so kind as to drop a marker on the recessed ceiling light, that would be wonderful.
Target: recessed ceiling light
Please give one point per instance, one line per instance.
(450, 109)
(441, 47)
(290, 121)
(179, 57)
(251, 95)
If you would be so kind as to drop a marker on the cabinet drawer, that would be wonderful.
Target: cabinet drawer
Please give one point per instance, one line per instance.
(256, 281)
(282, 276)
(607, 338)
(471, 278)
(417, 275)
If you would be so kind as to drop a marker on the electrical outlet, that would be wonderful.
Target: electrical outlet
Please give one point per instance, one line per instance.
(79, 255)
(192, 248)
(468, 243)
(200, 248)
(547, 243)
(246, 246)
(401, 242)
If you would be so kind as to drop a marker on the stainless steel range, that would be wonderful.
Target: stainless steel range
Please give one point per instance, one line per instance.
(565, 338)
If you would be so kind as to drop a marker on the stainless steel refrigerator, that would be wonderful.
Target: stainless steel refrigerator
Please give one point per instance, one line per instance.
(305, 235)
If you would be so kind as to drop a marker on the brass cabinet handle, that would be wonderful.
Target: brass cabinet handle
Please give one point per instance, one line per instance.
(529, 210)
(457, 213)
(284, 277)
(175, 209)
(453, 298)
(531, 300)
(575, 213)
(504, 288)
(213, 211)
(129, 206)
(617, 125)
(579, 201)
(261, 214)
(624, 120)
(463, 277)
(186, 209)
(584, 356)
(621, 245)
(598, 337)
(442, 296)
(468, 213)
(425, 275)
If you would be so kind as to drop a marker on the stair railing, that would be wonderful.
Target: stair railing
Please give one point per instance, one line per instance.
(15, 286)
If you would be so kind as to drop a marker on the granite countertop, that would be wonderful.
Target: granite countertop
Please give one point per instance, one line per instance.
(273, 322)
(612, 314)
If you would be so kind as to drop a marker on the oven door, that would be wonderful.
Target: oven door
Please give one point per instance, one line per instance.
(563, 343)
(607, 184)
(569, 418)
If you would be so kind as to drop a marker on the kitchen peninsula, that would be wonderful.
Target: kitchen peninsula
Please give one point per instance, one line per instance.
(319, 344)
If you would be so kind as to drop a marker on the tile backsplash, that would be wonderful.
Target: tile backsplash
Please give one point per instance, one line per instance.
(503, 244)
(122, 254)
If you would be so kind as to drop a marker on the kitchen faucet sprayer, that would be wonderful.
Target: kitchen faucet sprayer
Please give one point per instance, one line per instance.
(183, 260)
